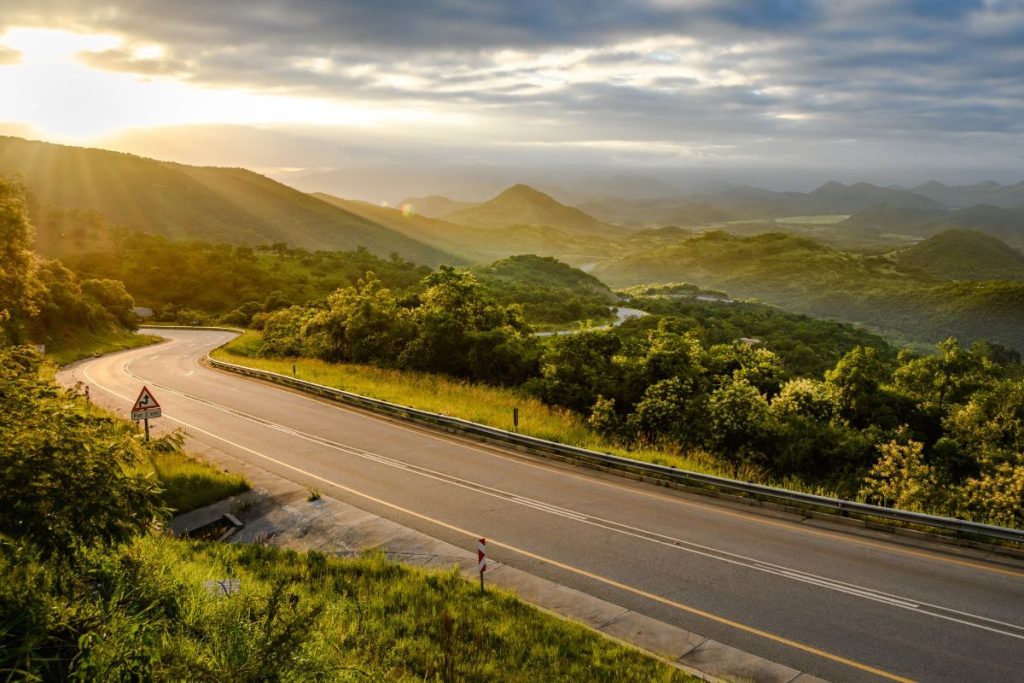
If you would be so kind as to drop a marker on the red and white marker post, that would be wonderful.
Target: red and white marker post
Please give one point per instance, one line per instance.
(481, 560)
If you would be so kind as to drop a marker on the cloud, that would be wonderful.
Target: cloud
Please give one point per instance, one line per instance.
(9, 56)
(710, 74)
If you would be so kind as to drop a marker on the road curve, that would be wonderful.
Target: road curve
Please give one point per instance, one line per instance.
(837, 605)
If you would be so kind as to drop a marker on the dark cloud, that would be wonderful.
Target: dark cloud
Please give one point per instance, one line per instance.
(799, 75)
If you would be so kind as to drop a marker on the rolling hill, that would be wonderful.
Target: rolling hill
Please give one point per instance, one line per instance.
(986, 192)
(229, 205)
(805, 276)
(964, 255)
(523, 205)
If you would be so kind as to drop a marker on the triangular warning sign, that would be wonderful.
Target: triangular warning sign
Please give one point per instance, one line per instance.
(145, 401)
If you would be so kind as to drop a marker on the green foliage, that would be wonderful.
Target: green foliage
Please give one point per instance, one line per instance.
(549, 290)
(19, 286)
(176, 278)
(805, 345)
(806, 277)
(964, 255)
(66, 479)
(42, 301)
(451, 326)
(141, 612)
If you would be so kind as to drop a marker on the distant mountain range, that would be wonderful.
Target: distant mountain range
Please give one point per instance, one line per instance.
(229, 205)
(960, 196)
(1001, 223)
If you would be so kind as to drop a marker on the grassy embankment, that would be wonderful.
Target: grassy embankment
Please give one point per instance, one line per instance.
(153, 614)
(487, 405)
(84, 344)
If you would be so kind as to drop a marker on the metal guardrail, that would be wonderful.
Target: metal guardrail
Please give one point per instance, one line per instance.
(771, 494)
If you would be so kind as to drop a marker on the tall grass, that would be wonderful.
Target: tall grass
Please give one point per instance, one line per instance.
(306, 616)
(84, 344)
(189, 483)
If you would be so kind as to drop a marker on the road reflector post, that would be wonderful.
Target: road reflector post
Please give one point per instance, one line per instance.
(481, 560)
(515, 418)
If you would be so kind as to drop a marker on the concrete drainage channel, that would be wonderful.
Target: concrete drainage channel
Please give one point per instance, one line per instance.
(912, 525)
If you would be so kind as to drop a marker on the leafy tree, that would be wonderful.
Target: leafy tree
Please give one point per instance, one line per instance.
(671, 409)
(738, 421)
(901, 478)
(577, 368)
(362, 324)
(857, 379)
(19, 288)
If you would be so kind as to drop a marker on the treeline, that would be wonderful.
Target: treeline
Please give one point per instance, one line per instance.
(41, 300)
(807, 346)
(938, 433)
(450, 326)
(187, 281)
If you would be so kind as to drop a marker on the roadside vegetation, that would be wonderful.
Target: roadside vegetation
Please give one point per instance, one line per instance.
(92, 590)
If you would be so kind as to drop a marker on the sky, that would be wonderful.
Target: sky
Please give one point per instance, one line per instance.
(779, 92)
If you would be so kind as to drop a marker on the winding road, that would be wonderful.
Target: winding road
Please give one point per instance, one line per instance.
(839, 605)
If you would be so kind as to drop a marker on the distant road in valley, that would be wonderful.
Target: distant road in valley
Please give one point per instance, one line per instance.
(841, 606)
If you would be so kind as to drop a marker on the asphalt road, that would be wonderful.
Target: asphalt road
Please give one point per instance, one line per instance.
(834, 604)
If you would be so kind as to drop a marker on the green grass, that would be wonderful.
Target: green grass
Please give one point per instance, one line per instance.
(480, 403)
(151, 614)
(190, 483)
(85, 344)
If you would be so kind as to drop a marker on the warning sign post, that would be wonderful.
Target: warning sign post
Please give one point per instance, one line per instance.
(145, 407)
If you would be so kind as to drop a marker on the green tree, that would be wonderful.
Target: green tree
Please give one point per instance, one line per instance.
(737, 421)
(19, 288)
(65, 475)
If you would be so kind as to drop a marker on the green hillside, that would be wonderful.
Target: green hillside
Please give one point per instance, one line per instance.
(964, 255)
(549, 290)
(807, 277)
(523, 205)
(229, 205)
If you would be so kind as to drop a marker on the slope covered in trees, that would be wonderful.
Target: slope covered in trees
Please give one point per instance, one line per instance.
(43, 302)
(964, 255)
(229, 205)
(549, 291)
(805, 276)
